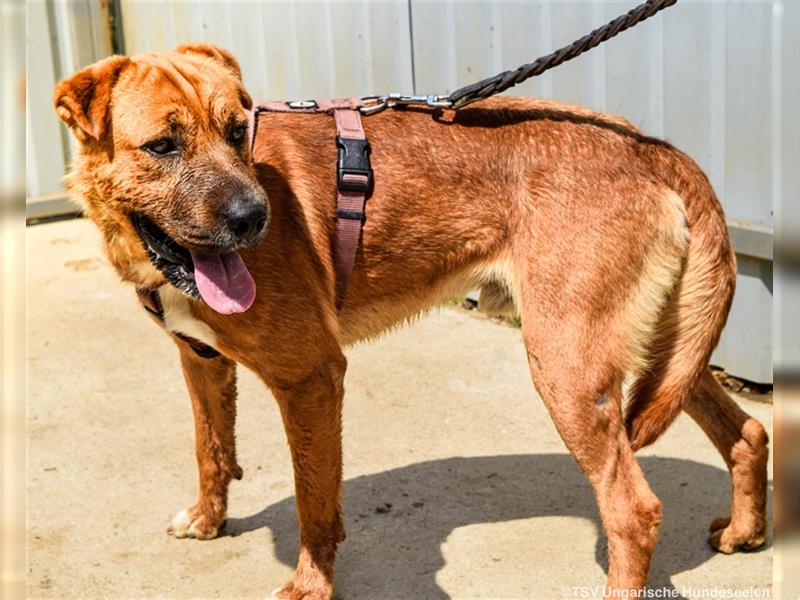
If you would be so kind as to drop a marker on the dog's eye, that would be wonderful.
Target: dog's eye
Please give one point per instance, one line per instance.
(161, 147)
(238, 134)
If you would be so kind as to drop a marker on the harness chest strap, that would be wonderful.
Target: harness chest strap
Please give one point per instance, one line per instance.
(354, 183)
(354, 179)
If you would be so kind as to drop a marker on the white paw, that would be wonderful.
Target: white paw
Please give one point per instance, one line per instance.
(182, 526)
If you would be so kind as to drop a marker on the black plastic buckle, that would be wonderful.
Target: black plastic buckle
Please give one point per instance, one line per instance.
(353, 160)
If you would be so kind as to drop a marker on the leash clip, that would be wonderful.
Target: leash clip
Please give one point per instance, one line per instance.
(373, 104)
(433, 100)
(438, 101)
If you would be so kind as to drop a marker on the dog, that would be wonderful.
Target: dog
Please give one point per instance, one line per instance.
(609, 244)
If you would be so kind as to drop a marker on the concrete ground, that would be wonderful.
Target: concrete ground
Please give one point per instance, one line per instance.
(457, 485)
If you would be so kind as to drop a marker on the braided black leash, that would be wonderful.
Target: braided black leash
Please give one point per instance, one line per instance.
(499, 83)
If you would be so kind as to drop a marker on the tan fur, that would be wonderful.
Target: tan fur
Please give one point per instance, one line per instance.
(178, 316)
(145, 274)
(610, 245)
(743, 443)
(690, 325)
(661, 269)
(499, 289)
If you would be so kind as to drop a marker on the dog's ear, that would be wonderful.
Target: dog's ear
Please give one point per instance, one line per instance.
(82, 101)
(222, 57)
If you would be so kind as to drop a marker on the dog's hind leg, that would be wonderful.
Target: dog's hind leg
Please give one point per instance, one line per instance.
(742, 442)
(212, 389)
(585, 401)
(574, 300)
(312, 415)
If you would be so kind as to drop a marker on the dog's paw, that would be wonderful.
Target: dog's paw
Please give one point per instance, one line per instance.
(727, 538)
(295, 591)
(192, 523)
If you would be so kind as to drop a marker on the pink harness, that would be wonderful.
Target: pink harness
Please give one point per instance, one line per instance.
(353, 176)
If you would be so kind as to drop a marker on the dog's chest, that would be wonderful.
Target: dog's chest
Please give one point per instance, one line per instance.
(178, 317)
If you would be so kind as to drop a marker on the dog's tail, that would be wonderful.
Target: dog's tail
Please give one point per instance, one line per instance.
(695, 313)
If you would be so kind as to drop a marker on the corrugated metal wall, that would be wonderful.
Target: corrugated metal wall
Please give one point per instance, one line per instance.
(62, 38)
(288, 50)
(718, 79)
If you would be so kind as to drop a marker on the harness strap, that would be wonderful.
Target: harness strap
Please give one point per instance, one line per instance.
(151, 301)
(353, 176)
(310, 106)
(354, 184)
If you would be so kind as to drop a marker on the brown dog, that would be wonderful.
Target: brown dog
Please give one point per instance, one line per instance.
(611, 245)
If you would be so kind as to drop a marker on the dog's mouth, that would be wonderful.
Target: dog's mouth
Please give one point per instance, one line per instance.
(219, 277)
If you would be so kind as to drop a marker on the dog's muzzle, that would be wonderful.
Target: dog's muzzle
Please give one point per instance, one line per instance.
(217, 274)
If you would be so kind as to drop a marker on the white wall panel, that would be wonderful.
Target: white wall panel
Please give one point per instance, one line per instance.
(44, 149)
(786, 178)
(62, 38)
(287, 50)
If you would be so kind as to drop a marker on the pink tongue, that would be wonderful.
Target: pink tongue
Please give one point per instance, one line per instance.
(224, 282)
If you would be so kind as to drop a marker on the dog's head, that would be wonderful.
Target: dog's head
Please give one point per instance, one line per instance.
(164, 169)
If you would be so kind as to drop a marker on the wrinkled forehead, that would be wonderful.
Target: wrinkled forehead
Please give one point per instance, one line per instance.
(159, 92)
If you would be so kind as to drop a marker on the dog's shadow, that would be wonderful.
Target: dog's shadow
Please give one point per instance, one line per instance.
(398, 520)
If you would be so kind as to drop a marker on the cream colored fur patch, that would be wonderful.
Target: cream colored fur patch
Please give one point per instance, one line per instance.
(499, 278)
(178, 317)
(182, 526)
(661, 271)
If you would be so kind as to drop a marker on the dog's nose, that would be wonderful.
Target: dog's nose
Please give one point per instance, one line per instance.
(245, 219)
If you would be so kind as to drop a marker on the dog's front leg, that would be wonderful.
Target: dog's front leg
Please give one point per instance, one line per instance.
(312, 417)
(212, 389)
